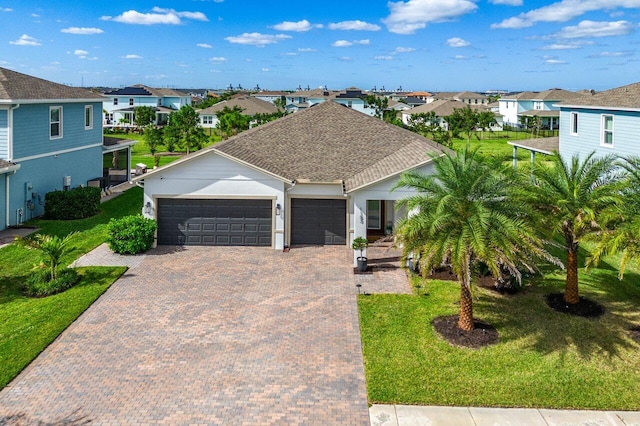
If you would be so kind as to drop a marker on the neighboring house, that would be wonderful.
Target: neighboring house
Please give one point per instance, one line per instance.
(50, 139)
(606, 122)
(425, 96)
(318, 177)
(443, 108)
(250, 106)
(354, 98)
(119, 105)
(303, 99)
(513, 107)
(469, 98)
(271, 96)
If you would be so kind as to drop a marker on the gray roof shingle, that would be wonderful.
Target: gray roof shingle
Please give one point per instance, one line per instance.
(18, 86)
(330, 143)
(249, 105)
(620, 97)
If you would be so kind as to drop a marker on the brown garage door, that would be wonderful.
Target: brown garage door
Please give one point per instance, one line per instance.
(318, 222)
(214, 222)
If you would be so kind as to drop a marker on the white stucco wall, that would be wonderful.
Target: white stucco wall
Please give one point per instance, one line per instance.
(212, 176)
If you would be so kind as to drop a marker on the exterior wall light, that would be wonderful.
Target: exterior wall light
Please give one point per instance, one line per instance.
(278, 209)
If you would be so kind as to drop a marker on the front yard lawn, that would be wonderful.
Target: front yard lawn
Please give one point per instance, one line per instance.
(543, 358)
(28, 325)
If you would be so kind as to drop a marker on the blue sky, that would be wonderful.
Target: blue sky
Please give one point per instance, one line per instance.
(436, 45)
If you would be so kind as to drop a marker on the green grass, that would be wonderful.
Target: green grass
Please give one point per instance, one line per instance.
(543, 359)
(28, 325)
(140, 151)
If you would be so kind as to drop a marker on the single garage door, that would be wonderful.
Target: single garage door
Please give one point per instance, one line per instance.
(214, 222)
(318, 222)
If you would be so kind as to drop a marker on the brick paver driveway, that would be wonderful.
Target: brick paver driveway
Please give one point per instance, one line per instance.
(207, 335)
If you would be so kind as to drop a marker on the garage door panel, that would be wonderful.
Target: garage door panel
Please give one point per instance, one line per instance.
(214, 222)
(318, 221)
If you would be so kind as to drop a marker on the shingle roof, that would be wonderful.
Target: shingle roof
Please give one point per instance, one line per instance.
(621, 97)
(546, 95)
(330, 142)
(249, 105)
(18, 86)
(327, 143)
(142, 90)
(443, 107)
(543, 145)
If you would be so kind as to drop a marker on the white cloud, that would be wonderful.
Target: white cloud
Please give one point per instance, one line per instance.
(80, 53)
(412, 15)
(565, 46)
(596, 29)
(26, 40)
(404, 49)
(354, 26)
(265, 70)
(81, 30)
(507, 2)
(383, 58)
(204, 45)
(554, 62)
(563, 11)
(457, 42)
(132, 56)
(307, 49)
(347, 43)
(257, 39)
(300, 26)
(460, 57)
(346, 58)
(218, 59)
(6, 9)
(159, 16)
(342, 43)
(618, 54)
(35, 15)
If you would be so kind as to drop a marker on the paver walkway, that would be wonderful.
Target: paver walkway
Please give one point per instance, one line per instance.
(207, 335)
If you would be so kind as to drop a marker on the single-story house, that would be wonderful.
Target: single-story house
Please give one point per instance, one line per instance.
(322, 176)
(250, 106)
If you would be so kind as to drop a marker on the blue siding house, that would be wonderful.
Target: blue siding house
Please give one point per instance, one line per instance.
(50, 139)
(607, 123)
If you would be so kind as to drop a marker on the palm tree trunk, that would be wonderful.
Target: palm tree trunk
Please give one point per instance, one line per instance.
(465, 321)
(571, 294)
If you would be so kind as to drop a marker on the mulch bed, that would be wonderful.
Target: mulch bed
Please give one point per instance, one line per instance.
(635, 333)
(482, 335)
(584, 308)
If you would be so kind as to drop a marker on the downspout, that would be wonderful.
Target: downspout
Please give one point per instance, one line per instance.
(6, 201)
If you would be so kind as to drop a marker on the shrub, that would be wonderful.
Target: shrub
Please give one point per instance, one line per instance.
(77, 203)
(51, 247)
(40, 284)
(131, 234)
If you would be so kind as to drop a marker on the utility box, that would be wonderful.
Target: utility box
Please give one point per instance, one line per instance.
(66, 182)
(141, 168)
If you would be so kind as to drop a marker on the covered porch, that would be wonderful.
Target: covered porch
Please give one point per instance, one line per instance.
(116, 162)
(545, 146)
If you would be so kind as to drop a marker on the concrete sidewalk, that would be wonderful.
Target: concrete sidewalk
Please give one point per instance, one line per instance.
(411, 415)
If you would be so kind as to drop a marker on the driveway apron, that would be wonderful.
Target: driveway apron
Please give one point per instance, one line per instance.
(207, 335)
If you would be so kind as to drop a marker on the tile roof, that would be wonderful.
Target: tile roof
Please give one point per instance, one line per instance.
(249, 105)
(18, 86)
(621, 97)
(328, 143)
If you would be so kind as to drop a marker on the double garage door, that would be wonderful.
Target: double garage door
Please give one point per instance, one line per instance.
(248, 222)
(214, 222)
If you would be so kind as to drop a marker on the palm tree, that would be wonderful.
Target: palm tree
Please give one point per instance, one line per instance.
(465, 214)
(573, 197)
(622, 221)
(52, 247)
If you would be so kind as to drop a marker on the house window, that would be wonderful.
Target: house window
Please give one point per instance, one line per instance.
(115, 101)
(607, 130)
(55, 122)
(88, 117)
(207, 119)
(159, 102)
(130, 101)
(373, 214)
(574, 123)
(350, 104)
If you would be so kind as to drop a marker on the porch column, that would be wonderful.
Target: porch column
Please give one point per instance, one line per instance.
(360, 224)
(129, 164)
(533, 163)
